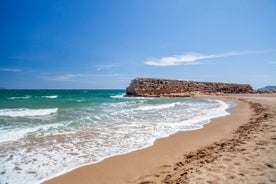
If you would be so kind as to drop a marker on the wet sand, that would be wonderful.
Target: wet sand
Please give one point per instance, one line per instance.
(239, 148)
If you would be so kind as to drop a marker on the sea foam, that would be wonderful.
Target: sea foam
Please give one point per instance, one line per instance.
(123, 96)
(22, 112)
(157, 107)
(20, 133)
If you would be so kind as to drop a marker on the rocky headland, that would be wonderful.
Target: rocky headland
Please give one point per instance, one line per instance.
(154, 87)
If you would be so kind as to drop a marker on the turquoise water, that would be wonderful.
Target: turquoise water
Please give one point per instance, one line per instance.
(44, 133)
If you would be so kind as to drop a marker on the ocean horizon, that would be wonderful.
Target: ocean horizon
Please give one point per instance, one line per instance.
(45, 133)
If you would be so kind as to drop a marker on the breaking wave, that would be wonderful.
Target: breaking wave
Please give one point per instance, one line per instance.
(22, 112)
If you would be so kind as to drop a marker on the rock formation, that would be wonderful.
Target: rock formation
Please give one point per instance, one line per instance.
(165, 87)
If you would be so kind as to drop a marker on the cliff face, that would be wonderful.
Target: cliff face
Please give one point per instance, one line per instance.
(165, 87)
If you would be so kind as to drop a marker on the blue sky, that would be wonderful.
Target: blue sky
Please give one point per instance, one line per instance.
(104, 44)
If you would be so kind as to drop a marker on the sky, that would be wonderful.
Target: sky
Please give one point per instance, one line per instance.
(104, 44)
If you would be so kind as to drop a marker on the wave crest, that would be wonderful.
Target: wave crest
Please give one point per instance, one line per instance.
(20, 97)
(51, 97)
(22, 112)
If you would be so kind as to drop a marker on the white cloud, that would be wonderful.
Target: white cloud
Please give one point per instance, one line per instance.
(65, 77)
(177, 60)
(192, 58)
(10, 70)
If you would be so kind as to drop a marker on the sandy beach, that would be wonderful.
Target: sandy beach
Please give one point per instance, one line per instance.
(239, 148)
(137, 92)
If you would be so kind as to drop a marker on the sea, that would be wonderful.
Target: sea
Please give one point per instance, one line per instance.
(45, 133)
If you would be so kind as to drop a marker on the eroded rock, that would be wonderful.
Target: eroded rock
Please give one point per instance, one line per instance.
(179, 88)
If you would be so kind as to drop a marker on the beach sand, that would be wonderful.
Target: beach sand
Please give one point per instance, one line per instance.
(240, 148)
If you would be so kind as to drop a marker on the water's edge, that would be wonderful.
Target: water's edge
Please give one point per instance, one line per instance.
(232, 106)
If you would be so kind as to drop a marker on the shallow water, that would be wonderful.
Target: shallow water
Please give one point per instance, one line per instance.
(44, 133)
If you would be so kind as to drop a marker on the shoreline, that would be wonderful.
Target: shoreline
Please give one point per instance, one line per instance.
(127, 167)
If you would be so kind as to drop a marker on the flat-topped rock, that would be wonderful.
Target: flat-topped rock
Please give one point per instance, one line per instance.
(166, 87)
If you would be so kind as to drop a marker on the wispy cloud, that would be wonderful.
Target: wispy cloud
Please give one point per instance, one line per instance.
(193, 58)
(104, 67)
(272, 62)
(10, 70)
(76, 77)
(65, 77)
